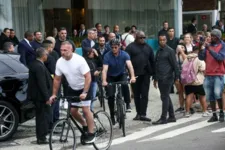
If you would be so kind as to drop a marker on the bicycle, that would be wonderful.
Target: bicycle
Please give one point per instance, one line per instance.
(101, 95)
(63, 132)
(120, 104)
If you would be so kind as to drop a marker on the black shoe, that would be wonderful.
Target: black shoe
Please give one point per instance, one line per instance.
(144, 118)
(40, 142)
(213, 119)
(160, 121)
(171, 120)
(89, 138)
(192, 111)
(137, 117)
(113, 121)
(180, 110)
(221, 118)
(128, 108)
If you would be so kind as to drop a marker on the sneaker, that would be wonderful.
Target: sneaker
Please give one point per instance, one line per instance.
(180, 110)
(205, 114)
(221, 118)
(90, 138)
(213, 119)
(128, 108)
(187, 114)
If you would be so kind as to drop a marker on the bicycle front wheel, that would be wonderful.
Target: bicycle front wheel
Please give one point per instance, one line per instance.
(122, 119)
(62, 136)
(103, 129)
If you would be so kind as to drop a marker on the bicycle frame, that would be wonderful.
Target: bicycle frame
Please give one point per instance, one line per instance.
(69, 117)
(119, 100)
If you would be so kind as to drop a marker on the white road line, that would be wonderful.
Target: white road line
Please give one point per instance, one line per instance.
(152, 129)
(219, 130)
(180, 131)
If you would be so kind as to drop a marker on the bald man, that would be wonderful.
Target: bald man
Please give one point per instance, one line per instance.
(77, 73)
(142, 58)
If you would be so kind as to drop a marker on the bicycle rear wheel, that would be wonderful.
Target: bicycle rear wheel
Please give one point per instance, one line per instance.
(62, 136)
(103, 129)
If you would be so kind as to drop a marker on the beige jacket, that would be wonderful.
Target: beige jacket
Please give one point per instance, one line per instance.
(199, 67)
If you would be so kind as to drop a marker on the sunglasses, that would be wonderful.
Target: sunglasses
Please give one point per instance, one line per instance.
(142, 37)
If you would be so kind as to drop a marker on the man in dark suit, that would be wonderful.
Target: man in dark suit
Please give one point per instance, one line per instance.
(50, 65)
(39, 91)
(192, 27)
(88, 43)
(82, 32)
(27, 53)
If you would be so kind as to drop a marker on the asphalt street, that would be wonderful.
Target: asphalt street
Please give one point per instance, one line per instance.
(192, 135)
(187, 133)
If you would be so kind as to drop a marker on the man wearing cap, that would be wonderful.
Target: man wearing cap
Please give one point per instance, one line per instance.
(214, 55)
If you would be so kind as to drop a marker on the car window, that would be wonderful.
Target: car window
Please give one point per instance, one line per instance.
(16, 65)
(5, 69)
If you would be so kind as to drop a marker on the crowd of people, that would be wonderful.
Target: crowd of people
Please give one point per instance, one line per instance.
(194, 63)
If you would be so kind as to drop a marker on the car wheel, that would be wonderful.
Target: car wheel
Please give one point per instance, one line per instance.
(9, 120)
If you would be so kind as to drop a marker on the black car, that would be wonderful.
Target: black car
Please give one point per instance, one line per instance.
(15, 107)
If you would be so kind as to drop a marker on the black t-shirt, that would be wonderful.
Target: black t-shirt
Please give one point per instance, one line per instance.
(173, 43)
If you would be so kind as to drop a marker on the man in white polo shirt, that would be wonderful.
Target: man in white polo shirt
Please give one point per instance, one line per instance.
(77, 73)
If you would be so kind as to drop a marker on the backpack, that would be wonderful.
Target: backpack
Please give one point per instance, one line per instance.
(123, 43)
(188, 74)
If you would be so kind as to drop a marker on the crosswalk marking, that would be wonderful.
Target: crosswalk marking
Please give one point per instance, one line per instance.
(219, 130)
(180, 131)
(153, 129)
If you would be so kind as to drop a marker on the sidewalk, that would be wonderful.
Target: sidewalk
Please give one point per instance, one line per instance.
(26, 132)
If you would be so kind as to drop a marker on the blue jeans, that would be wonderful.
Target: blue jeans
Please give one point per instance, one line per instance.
(213, 86)
(94, 87)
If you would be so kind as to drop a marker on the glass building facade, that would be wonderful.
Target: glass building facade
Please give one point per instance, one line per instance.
(44, 15)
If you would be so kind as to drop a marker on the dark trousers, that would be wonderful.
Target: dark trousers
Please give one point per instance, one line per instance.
(111, 90)
(55, 111)
(55, 108)
(140, 90)
(43, 119)
(167, 105)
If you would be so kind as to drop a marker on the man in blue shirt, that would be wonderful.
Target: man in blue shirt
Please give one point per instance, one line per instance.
(36, 43)
(114, 70)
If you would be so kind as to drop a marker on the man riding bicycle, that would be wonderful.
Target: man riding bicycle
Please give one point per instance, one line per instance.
(77, 73)
(114, 70)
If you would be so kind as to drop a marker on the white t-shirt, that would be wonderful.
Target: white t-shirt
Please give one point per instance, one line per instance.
(129, 38)
(74, 70)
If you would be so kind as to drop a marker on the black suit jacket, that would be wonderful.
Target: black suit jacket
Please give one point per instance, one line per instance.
(27, 53)
(40, 82)
(192, 29)
(82, 34)
(50, 64)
